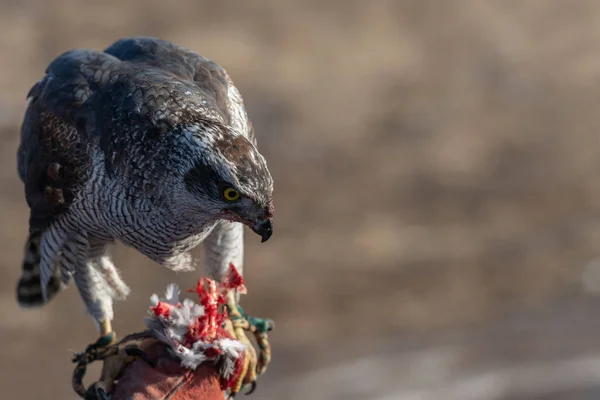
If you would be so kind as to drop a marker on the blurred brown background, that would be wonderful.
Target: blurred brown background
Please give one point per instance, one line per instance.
(437, 190)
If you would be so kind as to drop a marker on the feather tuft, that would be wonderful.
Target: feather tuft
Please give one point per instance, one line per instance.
(194, 332)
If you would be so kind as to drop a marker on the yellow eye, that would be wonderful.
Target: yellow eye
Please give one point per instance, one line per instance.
(231, 194)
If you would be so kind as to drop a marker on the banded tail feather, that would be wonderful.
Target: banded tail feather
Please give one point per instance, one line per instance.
(29, 288)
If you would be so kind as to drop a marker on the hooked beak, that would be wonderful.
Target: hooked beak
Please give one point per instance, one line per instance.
(264, 228)
(262, 224)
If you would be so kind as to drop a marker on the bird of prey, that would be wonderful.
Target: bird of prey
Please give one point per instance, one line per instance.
(146, 143)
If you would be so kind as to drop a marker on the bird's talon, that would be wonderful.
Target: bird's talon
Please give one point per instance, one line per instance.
(115, 357)
(134, 351)
(255, 360)
(270, 325)
(252, 388)
(96, 392)
(101, 394)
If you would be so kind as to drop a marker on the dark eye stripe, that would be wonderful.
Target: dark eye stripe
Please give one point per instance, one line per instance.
(201, 175)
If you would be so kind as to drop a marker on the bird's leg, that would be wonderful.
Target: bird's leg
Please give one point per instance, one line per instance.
(254, 364)
(99, 284)
(97, 296)
(112, 277)
(107, 335)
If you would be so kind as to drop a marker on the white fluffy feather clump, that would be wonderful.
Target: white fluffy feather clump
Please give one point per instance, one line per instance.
(172, 327)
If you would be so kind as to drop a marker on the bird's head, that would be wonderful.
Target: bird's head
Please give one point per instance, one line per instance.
(230, 180)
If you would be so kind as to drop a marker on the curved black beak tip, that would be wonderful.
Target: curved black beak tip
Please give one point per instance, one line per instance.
(265, 230)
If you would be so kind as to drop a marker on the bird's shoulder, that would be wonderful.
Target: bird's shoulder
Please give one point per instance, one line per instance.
(136, 84)
(175, 64)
